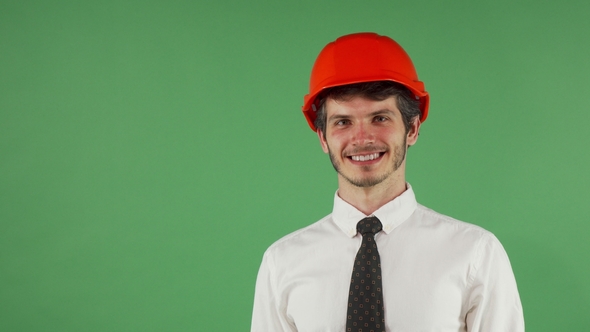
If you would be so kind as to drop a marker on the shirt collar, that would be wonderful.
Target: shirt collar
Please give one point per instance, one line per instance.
(392, 214)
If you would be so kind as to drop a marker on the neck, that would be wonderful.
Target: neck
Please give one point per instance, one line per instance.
(369, 199)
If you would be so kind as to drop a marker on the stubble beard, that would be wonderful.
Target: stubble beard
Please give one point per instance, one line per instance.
(399, 154)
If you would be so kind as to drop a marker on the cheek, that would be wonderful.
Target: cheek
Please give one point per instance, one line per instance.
(394, 138)
(335, 143)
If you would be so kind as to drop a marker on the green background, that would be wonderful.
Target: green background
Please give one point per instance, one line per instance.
(150, 151)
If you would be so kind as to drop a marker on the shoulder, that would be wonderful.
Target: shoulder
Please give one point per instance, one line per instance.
(446, 228)
(429, 217)
(459, 239)
(303, 237)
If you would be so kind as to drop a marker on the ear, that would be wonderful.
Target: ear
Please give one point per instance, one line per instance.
(413, 132)
(322, 140)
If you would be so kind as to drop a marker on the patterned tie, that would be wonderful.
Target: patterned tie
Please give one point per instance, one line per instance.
(365, 299)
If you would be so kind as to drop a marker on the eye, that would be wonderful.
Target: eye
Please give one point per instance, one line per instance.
(342, 122)
(380, 118)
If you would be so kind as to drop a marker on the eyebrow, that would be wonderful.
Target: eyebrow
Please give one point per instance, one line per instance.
(338, 117)
(375, 113)
(383, 111)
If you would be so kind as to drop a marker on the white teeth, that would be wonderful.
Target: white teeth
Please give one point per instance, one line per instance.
(367, 157)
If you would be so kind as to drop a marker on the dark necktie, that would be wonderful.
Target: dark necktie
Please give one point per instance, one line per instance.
(365, 299)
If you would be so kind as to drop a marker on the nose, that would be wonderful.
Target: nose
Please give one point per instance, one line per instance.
(362, 135)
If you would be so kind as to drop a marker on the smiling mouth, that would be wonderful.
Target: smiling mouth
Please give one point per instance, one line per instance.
(366, 157)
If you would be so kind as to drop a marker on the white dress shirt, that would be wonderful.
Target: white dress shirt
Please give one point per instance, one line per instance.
(439, 274)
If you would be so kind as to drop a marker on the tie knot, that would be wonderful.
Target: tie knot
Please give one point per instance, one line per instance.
(369, 225)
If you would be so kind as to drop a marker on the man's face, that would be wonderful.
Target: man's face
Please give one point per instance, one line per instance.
(367, 140)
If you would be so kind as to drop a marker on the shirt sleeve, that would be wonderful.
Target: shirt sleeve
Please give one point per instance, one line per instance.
(269, 313)
(493, 300)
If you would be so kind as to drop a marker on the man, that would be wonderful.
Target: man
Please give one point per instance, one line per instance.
(380, 261)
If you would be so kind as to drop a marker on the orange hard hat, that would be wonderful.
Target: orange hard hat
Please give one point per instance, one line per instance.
(362, 57)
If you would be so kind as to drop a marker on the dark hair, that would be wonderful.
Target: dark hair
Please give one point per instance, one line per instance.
(407, 104)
